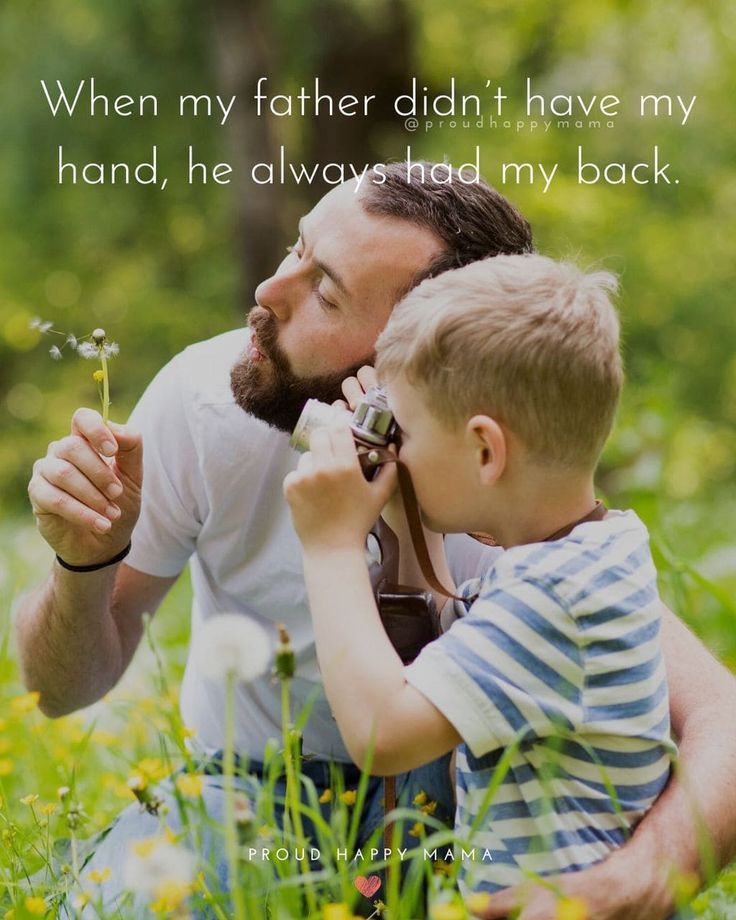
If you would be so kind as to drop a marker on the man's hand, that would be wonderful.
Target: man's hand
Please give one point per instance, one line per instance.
(86, 491)
(354, 388)
(611, 890)
(332, 504)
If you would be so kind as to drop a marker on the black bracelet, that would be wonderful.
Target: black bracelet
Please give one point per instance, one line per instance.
(99, 565)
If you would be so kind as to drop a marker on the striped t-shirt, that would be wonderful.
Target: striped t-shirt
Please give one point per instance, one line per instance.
(558, 664)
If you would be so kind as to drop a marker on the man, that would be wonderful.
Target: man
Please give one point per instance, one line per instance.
(213, 477)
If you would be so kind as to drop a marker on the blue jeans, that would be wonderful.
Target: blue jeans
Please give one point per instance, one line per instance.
(111, 847)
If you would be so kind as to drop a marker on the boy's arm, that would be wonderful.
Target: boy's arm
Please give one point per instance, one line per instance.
(383, 719)
(637, 882)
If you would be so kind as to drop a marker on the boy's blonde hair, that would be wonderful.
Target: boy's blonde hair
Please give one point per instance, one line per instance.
(532, 342)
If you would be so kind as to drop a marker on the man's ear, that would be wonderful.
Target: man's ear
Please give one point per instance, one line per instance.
(489, 442)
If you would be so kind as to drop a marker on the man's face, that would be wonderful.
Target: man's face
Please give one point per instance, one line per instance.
(317, 318)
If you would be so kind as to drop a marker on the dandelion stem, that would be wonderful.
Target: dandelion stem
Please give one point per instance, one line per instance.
(75, 856)
(105, 388)
(231, 842)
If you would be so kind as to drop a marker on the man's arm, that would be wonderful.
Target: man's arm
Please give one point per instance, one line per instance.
(697, 807)
(78, 631)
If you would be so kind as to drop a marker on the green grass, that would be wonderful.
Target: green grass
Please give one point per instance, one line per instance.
(137, 731)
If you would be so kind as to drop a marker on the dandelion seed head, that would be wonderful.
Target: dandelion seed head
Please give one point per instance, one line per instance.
(111, 350)
(71, 341)
(88, 350)
(98, 336)
(55, 352)
(42, 325)
(232, 644)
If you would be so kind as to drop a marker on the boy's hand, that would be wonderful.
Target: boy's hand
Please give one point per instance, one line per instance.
(86, 491)
(332, 504)
(354, 388)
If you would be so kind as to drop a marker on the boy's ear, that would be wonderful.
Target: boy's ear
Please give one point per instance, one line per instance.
(489, 441)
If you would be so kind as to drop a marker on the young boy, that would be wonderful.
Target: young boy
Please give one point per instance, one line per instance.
(504, 377)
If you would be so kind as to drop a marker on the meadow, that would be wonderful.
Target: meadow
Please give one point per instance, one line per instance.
(63, 781)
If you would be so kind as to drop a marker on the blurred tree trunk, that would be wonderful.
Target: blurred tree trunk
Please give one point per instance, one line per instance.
(245, 48)
(353, 49)
(364, 51)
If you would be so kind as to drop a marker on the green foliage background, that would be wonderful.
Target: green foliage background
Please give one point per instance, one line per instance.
(161, 269)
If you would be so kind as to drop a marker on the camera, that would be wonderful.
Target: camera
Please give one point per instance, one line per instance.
(371, 422)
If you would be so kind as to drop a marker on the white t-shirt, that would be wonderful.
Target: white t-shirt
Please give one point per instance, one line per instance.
(212, 493)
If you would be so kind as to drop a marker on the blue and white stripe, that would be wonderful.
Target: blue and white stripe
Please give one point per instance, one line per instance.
(560, 656)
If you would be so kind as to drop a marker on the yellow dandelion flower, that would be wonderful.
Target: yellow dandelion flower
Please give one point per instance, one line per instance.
(98, 876)
(571, 909)
(29, 799)
(417, 830)
(48, 809)
(336, 911)
(98, 376)
(188, 732)
(6, 766)
(420, 798)
(326, 796)
(169, 896)
(153, 768)
(27, 702)
(144, 848)
(190, 784)
(348, 797)
(82, 900)
(686, 886)
(448, 911)
(35, 905)
(105, 739)
(479, 902)
(429, 809)
(442, 867)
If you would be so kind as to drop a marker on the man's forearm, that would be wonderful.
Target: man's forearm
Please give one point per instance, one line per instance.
(70, 648)
(692, 826)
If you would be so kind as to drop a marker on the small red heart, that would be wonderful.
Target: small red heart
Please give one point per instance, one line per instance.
(368, 886)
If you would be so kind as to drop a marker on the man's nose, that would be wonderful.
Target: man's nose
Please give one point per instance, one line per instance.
(280, 292)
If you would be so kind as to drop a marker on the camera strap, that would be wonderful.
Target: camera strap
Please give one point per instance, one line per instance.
(416, 529)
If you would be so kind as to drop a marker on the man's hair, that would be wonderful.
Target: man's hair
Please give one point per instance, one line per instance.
(473, 220)
(532, 342)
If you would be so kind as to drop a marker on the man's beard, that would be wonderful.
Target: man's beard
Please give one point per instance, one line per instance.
(274, 393)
